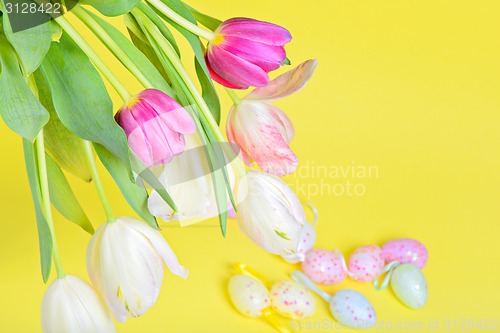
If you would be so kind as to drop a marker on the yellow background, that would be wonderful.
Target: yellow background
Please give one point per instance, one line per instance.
(411, 87)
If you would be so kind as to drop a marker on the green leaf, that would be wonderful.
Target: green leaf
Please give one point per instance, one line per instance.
(44, 237)
(135, 194)
(63, 198)
(147, 68)
(208, 21)
(113, 7)
(209, 93)
(149, 177)
(148, 51)
(81, 100)
(161, 26)
(31, 44)
(20, 109)
(141, 41)
(62, 145)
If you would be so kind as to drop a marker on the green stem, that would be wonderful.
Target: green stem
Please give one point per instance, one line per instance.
(89, 156)
(44, 184)
(195, 29)
(98, 62)
(108, 41)
(234, 97)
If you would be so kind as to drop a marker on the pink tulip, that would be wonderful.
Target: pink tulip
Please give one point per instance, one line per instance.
(244, 51)
(155, 124)
(261, 130)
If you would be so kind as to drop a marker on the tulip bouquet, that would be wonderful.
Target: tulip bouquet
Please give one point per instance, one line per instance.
(163, 147)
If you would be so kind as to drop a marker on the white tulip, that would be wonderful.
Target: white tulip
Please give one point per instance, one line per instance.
(271, 215)
(188, 180)
(125, 261)
(70, 305)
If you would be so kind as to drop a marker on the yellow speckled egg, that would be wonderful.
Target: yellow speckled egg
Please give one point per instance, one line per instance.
(292, 300)
(249, 296)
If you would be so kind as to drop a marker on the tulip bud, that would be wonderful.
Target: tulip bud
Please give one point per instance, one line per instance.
(70, 305)
(125, 261)
(154, 124)
(271, 215)
(261, 130)
(244, 51)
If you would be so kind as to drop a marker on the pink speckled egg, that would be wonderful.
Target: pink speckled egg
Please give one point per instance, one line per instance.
(249, 296)
(307, 240)
(406, 251)
(292, 300)
(366, 263)
(324, 267)
(352, 309)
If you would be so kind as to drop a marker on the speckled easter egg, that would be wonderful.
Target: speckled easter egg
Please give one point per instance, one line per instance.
(366, 263)
(410, 286)
(248, 295)
(352, 309)
(307, 240)
(293, 300)
(406, 251)
(324, 267)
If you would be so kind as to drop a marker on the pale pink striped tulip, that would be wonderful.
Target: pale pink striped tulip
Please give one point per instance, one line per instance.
(261, 130)
(244, 51)
(155, 125)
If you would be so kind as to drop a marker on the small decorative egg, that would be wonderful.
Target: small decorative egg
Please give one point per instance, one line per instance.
(406, 251)
(324, 267)
(293, 300)
(352, 309)
(410, 286)
(307, 240)
(366, 263)
(249, 296)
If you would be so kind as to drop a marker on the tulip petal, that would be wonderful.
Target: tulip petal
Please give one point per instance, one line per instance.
(255, 30)
(231, 137)
(263, 132)
(87, 307)
(138, 142)
(271, 215)
(285, 84)
(267, 57)
(164, 142)
(132, 270)
(70, 305)
(176, 118)
(287, 129)
(235, 70)
(220, 80)
(161, 246)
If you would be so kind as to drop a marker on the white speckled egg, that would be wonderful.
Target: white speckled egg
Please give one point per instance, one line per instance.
(366, 263)
(293, 300)
(248, 295)
(405, 251)
(307, 240)
(410, 286)
(352, 309)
